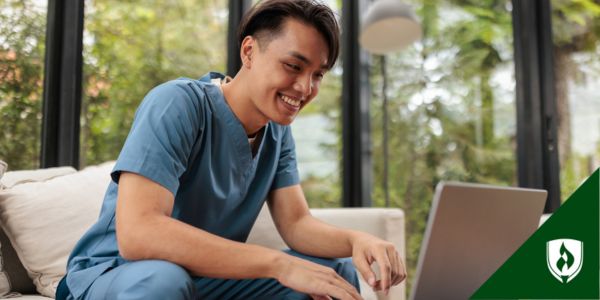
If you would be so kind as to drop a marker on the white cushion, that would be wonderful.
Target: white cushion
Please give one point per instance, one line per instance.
(13, 178)
(44, 220)
(12, 278)
(27, 297)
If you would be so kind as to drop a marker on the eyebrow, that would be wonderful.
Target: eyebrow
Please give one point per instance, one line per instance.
(304, 59)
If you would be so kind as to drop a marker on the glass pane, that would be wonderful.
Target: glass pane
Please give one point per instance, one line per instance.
(131, 47)
(451, 109)
(576, 36)
(22, 44)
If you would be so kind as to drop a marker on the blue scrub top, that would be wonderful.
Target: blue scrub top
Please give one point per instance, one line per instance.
(186, 138)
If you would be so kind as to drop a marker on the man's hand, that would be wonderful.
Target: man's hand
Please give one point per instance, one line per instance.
(313, 279)
(367, 249)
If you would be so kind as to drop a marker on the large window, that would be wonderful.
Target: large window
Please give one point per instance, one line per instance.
(131, 47)
(451, 109)
(576, 37)
(22, 38)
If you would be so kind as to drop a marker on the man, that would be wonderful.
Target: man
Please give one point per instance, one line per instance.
(201, 157)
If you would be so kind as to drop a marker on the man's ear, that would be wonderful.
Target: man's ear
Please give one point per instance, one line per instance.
(246, 50)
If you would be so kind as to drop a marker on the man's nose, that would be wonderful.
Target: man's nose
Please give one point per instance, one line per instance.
(304, 85)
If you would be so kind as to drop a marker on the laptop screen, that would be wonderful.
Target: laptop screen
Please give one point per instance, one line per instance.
(471, 231)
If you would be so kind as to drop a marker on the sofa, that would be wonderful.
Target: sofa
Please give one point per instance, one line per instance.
(44, 212)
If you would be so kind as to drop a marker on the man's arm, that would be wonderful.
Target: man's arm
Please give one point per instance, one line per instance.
(146, 230)
(306, 234)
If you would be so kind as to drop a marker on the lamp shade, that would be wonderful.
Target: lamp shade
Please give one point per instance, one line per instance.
(389, 25)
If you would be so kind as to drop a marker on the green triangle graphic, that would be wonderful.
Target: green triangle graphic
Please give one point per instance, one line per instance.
(527, 275)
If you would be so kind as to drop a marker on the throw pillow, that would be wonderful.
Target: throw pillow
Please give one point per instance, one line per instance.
(13, 277)
(13, 178)
(44, 220)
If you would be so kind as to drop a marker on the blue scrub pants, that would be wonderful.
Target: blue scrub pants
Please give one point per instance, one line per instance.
(157, 279)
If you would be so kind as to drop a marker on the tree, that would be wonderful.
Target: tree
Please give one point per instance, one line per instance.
(131, 47)
(576, 32)
(451, 115)
(22, 29)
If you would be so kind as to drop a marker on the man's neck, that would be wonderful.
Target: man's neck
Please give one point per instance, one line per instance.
(236, 96)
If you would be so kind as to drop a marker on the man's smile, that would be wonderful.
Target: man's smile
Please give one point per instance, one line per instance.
(291, 103)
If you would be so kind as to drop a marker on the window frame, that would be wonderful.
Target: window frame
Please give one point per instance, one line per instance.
(537, 150)
(63, 72)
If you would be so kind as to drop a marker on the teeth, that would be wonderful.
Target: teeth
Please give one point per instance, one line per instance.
(290, 101)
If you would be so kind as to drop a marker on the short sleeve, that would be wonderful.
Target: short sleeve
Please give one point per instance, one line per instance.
(287, 169)
(166, 126)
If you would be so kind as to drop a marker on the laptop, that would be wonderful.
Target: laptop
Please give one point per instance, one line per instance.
(471, 231)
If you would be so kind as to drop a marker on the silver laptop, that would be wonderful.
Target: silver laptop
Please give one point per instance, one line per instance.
(471, 231)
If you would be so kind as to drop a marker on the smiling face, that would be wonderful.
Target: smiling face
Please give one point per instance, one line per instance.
(286, 71)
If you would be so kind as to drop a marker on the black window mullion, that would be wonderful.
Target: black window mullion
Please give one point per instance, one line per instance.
(51, 93)
(537, 151)
(62, 84)
(357, 163)
(237, 8)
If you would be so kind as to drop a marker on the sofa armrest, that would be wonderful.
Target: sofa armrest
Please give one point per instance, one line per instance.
(386, 223)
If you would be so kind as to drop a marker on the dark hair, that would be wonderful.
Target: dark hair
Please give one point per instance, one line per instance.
(264, 21)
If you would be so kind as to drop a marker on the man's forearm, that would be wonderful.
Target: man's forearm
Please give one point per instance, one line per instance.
(311, 236)
(200, 252)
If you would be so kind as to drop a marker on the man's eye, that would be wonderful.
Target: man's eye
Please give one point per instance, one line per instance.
(293, 67)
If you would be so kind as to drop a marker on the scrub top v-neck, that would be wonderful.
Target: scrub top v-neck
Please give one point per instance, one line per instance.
(186, 138)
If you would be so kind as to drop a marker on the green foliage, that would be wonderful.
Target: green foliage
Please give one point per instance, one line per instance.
(22, 28)
(576, 23)
(322, 192)
(576, 32)
(132, 46)
(447, 113)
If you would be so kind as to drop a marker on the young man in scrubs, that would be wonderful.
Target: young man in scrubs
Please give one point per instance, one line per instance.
(199, 161)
